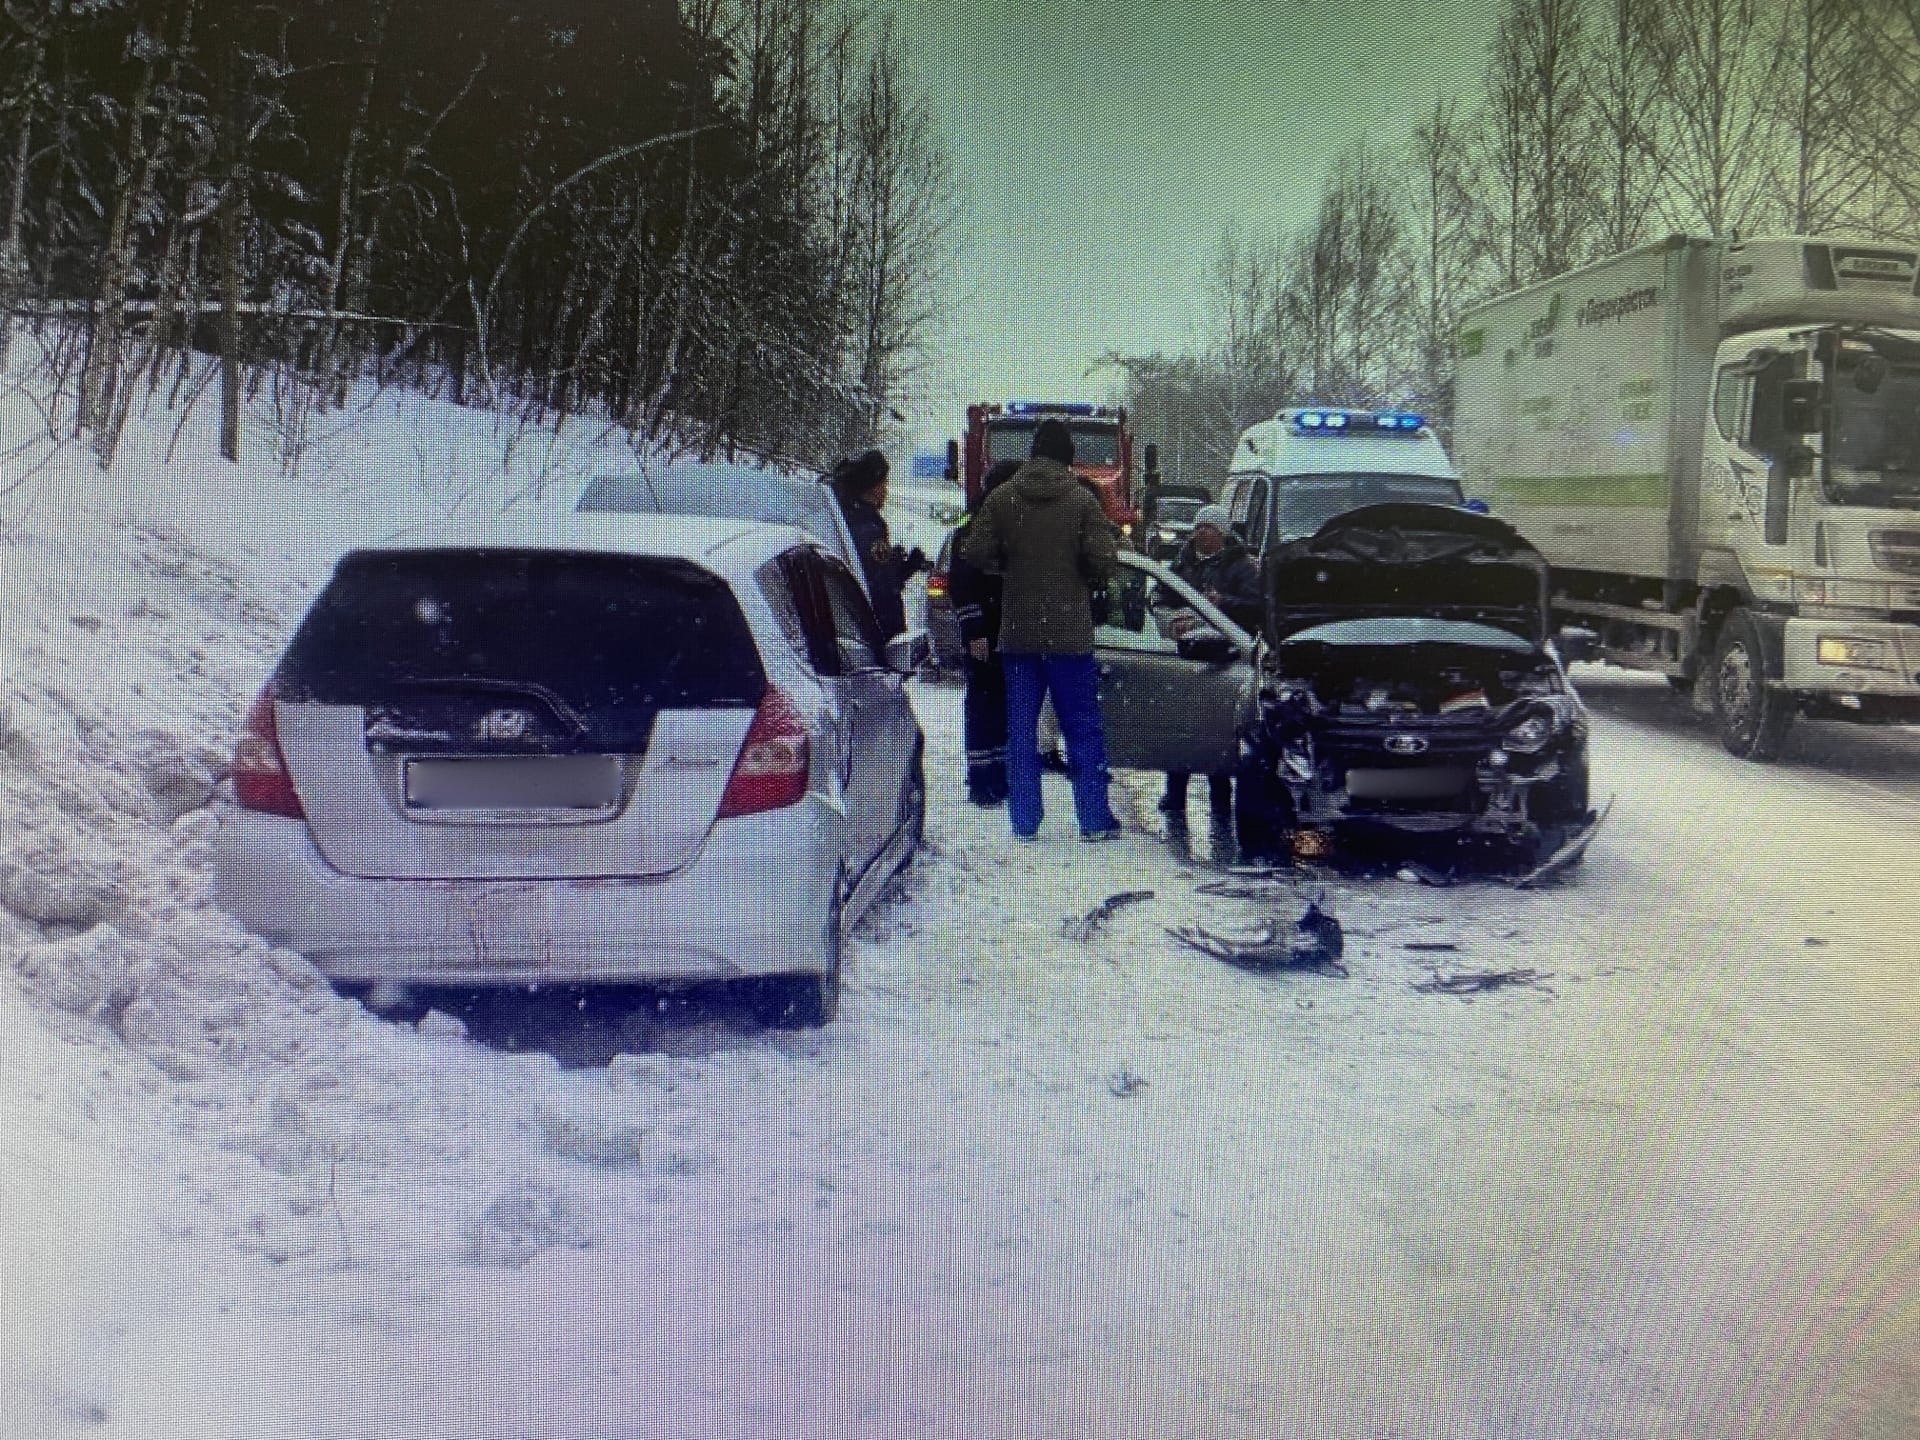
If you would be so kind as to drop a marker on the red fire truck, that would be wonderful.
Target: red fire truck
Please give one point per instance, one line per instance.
(1102, 448)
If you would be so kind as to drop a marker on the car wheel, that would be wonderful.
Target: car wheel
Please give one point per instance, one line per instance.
(1563, 802)
(1559, 809)
(1753, 717)
(806, 1002)
(1262, 811)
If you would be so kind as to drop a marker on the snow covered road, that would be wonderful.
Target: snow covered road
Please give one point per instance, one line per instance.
(1676, 1192)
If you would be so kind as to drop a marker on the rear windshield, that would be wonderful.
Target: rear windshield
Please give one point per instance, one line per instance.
(1178, 510)
(1304, 503)
(590, 646)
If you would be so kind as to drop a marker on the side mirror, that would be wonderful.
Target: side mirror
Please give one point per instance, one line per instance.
(1870, 374)
(1577, 644)
(953, 462)
(1207, 645)
(907, 653)
(1800, 406)
(1153, 463)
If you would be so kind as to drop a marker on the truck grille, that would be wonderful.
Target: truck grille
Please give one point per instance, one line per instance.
(1896, 550)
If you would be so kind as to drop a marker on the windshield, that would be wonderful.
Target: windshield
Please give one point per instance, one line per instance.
(1092, 444)
(1875, 451)
(1177, 512)
(1306, 502)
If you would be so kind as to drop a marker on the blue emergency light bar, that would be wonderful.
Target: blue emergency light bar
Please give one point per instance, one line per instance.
(1048, 407)
(1346, 422)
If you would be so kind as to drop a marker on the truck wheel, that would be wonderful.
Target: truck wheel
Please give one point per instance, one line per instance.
(1753, 718)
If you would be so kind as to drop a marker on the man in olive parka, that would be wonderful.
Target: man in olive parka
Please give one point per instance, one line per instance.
(1045, 535)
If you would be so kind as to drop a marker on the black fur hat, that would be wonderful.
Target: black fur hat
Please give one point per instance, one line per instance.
(858, 474)
(1052, 439)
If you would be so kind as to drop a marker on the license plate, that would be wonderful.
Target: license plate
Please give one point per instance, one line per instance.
(519, 782)
(1431, 784)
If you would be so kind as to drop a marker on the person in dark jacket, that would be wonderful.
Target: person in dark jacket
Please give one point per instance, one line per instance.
(1047, 537)
(860, 484)
(1216, 564)
(976, 606)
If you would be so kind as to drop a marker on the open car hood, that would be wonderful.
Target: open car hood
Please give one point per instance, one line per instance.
(1408, 560)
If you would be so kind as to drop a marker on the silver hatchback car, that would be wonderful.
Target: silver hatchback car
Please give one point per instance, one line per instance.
(654, 749)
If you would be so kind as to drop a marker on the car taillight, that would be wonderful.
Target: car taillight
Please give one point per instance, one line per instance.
(936, 586)
(260, 779)
(775, 760)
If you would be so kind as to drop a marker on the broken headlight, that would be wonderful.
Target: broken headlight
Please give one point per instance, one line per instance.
(1531, 735)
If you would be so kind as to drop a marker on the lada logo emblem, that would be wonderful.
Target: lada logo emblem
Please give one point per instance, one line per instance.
(1407, 744)
(504, 725)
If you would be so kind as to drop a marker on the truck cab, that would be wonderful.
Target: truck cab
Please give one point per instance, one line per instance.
(1102, 448)
(1810, 506)
(1293, 473)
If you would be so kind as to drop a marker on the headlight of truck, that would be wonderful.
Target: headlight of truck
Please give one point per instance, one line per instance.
(1854, 653)
(1531, 735)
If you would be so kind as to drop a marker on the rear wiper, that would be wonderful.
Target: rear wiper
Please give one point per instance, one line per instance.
(525, 689)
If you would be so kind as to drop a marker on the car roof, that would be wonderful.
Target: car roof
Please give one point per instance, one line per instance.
(730, 490)
(730, 548)
(726, 490)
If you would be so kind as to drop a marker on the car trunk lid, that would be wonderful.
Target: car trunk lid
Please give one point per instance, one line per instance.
(466, 714)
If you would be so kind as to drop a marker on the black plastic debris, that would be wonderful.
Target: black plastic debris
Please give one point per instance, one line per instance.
(1477, 982)
(1095, 920)
(1313, 942)
(1433, 945)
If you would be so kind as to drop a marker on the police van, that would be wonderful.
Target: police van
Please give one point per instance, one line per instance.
(1293, 473)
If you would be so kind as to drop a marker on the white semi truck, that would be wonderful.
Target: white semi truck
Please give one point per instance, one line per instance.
(1716, 444)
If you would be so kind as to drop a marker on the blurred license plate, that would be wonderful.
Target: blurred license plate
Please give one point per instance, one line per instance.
(520, 782)
(1430, 784)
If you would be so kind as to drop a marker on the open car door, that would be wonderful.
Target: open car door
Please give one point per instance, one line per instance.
(1176, 676)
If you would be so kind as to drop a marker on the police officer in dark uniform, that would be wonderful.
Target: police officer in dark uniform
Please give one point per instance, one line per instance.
(976, 608)
(860, 483)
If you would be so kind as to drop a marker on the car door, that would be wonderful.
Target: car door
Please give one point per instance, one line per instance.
(882, 724)
(1164, 710)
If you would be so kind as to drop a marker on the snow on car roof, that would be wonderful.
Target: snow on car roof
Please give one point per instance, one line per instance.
(742, 492)
(719, 544)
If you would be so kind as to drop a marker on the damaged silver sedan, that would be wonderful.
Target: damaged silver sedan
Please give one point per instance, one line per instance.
(1409, 682)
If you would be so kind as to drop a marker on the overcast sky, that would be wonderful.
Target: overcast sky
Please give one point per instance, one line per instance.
(1100, 145)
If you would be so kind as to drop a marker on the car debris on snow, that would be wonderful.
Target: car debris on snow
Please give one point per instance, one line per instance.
(1249, 889)
(1438, 945)
(1086, 926)
(1123, 1083)
(1313, 942)
(1474, 982)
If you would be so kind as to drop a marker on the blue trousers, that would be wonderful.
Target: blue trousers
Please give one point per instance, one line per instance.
(1074, 683)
